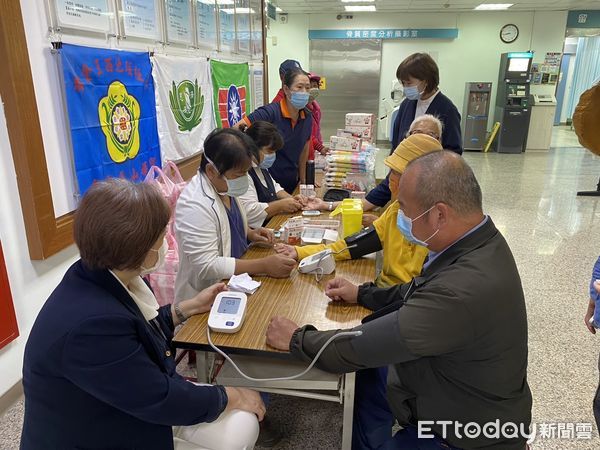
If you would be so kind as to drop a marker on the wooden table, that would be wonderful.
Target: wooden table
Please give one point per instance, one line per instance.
(300, 298)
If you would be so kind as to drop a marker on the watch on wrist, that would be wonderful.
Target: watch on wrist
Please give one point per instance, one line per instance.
(180, 315)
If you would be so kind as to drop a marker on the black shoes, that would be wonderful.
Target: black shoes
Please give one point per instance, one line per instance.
(270, 434)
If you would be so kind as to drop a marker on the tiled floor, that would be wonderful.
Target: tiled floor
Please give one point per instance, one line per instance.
(552, 232)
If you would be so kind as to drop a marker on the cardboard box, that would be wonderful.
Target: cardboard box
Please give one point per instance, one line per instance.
(349, 144)
(364, 132)
(293, 228)
(360, 119)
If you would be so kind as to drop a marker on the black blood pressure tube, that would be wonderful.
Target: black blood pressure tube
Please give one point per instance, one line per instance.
(310, 172)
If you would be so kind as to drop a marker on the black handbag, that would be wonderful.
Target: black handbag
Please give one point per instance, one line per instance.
(336, 195)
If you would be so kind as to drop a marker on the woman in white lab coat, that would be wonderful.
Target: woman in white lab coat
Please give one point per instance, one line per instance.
(210, 223)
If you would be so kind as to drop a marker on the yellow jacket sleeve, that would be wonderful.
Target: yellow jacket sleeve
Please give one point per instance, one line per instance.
(308, 250)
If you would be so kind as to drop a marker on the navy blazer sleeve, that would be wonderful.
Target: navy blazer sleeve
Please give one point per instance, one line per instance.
(452, 135)
(104, 357)
(381, 193)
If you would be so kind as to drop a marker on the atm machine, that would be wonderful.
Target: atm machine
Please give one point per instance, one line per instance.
(512, 101)
(476, 111)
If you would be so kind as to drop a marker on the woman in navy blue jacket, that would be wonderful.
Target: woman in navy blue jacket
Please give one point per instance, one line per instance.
(420, 78)
(99, 370)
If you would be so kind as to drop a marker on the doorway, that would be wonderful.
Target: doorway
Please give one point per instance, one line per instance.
(352, 70)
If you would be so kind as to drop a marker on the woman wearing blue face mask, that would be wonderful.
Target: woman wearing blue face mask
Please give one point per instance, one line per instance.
(420, 77)
(210, 222)
(265, 198)
(294, 123)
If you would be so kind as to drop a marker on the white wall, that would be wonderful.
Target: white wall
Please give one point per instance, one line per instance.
(30, 282)
(286, 41)
(473, 56)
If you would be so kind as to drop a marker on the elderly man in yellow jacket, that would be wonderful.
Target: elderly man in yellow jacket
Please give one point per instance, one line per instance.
(402, 260)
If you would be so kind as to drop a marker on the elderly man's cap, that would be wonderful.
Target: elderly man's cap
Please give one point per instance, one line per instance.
(411, 148)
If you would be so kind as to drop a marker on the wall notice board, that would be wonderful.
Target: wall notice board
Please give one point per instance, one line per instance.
(8, 321)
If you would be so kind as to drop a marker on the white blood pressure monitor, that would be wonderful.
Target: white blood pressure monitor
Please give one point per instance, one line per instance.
(322, 261)
(227, 312)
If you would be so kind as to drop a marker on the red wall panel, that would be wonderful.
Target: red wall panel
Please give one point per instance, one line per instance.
(8, 321)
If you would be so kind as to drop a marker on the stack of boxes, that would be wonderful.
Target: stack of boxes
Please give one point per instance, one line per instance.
(362, 125)
(351, 161)
(291, 232)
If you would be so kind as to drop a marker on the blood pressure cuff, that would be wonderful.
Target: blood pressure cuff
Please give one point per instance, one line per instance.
(366, 241)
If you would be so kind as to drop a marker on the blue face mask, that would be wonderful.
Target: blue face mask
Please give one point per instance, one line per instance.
(404, 224)
(299, 99)
(236, 187)
(412, 92)
(267, 161)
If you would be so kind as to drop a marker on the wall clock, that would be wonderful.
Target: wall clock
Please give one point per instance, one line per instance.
(509, 33)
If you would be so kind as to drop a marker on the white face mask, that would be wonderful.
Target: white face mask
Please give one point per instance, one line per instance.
(236, 187)
(162, 253)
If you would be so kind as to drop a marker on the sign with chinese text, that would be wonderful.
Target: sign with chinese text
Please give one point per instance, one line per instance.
(93, 15)
(140, 19)
(227, 27)
(404, 33)
(258, 93)
(584, 19)
(206, 24)
(242, 16)
(112, 113)
(179, 21)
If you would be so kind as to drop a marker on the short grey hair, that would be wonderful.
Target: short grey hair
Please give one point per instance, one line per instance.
(429, 118)
(444, 176)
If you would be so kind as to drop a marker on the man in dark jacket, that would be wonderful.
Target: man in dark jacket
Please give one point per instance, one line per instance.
(454, 338)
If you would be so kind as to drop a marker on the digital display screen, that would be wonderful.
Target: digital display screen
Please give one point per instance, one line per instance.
(518, 64)
(229, 305)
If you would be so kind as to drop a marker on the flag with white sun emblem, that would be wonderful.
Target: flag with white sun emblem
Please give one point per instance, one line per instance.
(231, 87)
(112, 115)
(184, 104)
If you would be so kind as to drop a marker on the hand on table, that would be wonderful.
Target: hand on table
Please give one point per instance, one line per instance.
(264, 235)
(245, 400)
(316, 203)
(279, 332)
(278, 266)
(201, 303)
(290, 205)
(340, 289)
(286, 250)
(206, 297)
(302, 199)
